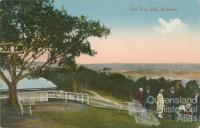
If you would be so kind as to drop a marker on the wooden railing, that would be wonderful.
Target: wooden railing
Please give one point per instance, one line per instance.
(30, 98)
(41, 96)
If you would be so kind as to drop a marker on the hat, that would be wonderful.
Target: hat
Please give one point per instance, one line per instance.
(161, 90)
(141, 89)
(172, 88)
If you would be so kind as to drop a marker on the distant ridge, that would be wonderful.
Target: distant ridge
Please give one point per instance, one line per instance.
(123, 67)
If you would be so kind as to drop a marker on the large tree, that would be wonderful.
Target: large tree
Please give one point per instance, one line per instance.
(31, 29)
(71, 66)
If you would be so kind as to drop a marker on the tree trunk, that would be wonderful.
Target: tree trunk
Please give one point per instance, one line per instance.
(74, 83)
(13, 88)
(74, 87)
(13, 100)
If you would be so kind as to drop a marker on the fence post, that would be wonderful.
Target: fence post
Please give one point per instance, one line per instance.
(73, 96)
(82, 98)
(79, 97)
(129, 107)
(23, 95)
(88, 99)
(21, 106)
(65, 96)
(40, 97)
(47, 95)
(30, 111)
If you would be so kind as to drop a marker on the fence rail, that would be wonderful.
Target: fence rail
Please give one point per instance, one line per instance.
(133, 108)
(30, 98)
(41, 96)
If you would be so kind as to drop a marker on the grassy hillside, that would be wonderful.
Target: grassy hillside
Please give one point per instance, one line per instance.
(101, 118)
(59, 116)
(93, 118)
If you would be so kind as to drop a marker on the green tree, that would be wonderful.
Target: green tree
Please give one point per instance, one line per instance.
(33, 29)
(71, 66)
(191, 86)
(62, 77)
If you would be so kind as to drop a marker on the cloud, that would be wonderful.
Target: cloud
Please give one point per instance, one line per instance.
(171, 26)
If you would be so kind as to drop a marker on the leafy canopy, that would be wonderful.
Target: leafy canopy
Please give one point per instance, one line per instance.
(34, 28)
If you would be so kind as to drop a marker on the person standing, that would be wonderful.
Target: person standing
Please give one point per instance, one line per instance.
(173, 103)
(160, 103)
(147, 99)
(198, 106)
(195, 106)
(140, 96)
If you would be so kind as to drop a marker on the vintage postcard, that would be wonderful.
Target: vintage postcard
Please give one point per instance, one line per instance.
(99, 64)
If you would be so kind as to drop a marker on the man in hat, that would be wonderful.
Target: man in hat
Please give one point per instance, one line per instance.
(173, 103)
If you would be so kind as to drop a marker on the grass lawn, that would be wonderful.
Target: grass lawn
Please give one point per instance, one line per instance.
(89, 117)
(96, 118)
(174, 124)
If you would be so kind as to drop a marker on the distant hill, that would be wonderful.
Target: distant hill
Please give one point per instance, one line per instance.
(145, 67)
(184, 72)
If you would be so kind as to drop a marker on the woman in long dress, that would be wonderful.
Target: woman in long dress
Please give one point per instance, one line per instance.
(160, 103)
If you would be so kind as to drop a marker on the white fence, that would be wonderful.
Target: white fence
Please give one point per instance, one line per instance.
(38, 96)
(3, 97)
(134, 108)
(30, 98)
(41, 96)
(80, 97)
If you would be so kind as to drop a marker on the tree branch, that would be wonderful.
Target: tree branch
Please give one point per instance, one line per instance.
(38, 68)
(26, 54)
(25, 61)
(29, 65)
(5, 78)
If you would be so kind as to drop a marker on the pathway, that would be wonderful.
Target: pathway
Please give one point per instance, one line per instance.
(135, 109)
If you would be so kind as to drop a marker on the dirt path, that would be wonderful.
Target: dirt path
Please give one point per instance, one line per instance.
(143, 118)
(96, 96)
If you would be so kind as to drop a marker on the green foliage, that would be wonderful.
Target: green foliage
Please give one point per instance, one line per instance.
(191, 87)
(120, 87)
(117, 85)
(111, 84)
(61, 77)
(68, 64)
(36, 28)
(31, 29)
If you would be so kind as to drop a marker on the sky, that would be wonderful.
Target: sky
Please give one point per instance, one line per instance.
(142, 31)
